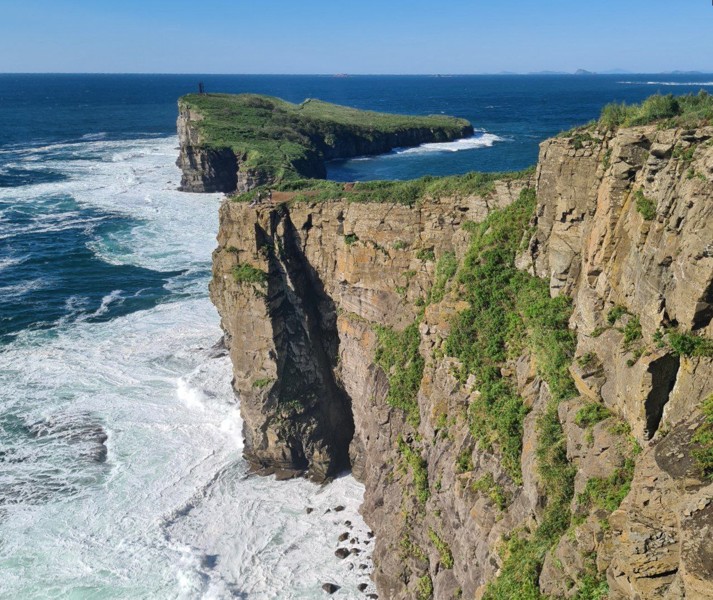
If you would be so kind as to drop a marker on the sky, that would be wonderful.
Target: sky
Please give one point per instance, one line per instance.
(355, 37)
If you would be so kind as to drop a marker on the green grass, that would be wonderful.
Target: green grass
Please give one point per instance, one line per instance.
(632, 330)
(350, 239)
(692, 110)
(591, 414)
(488, 486)
(703, 438)
(424, 588)
(464, 461)
(446, 268)
(509, 310)
(262, 383)
(419, 469)
(283, 140)
(645, 206)
(426, 254)
(245, 273)
(607, 493)
(616, 313)
(398, 355)
(395, 192)
(444, 550)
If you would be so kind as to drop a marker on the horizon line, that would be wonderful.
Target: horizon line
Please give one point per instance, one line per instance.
(346, 75)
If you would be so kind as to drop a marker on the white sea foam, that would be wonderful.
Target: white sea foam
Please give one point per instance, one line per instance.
(479, 140)
(172, 512)
(670, 83)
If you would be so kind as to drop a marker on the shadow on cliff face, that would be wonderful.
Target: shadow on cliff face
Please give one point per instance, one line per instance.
(313, 413)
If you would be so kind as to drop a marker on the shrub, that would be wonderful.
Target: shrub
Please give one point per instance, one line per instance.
(351, 238)
(645, 206)
(703, 438)
(615, 314)
(245, 273)
(262, 383)
(632, 330)
(690, 344)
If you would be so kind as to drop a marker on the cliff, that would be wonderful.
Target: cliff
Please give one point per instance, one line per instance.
(520, 371)
(238, 142)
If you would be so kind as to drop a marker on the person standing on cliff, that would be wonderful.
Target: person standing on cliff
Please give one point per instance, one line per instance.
(269, 196)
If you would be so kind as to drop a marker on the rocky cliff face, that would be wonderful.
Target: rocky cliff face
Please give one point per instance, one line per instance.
(331, 310)
(209, 169)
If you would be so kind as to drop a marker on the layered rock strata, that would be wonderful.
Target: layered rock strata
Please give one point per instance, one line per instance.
(624, 227)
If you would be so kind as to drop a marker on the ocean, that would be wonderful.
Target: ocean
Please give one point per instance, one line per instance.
(120, 437)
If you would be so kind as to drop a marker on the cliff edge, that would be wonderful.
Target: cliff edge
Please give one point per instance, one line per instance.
(519, 368)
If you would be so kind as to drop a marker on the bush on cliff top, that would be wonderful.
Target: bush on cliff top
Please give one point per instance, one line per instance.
(280, 139)
(691, 110)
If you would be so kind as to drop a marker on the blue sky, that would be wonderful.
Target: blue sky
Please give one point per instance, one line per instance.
(360, 36)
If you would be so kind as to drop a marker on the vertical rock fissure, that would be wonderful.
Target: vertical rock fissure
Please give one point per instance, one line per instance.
(663, 378)
(320, 425)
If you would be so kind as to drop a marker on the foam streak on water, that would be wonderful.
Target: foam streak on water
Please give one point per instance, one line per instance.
(120, 441)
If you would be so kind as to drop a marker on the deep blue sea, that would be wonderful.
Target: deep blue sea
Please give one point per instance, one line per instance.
(120, 438)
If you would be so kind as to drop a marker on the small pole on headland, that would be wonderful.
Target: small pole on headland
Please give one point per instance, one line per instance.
(201, 88)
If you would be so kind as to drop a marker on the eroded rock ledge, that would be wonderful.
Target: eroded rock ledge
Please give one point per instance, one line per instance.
(623, 226)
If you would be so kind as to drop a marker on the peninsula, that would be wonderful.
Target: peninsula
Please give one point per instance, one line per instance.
(238, 142)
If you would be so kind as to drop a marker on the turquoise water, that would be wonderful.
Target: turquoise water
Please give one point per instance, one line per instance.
(119, 434)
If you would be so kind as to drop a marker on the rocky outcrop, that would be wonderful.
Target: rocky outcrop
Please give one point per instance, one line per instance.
(623, 226)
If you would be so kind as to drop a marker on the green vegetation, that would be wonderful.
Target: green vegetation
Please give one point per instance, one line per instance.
(262, 383)
(400, 245)
(608, 493)
(397, 354)
(424, 588)
(283, 141)
(419, 469)
(673, 111)
(397, 192)
(488, 486)
(591, 414)
(245, 273)
(351, 238)
(645, 206)
(690, 344)
(464, 462)
(508, 308)
(632, 330)
(446, 268)
(615, 314)
(443, 548)
(426, 254)
(703, 438)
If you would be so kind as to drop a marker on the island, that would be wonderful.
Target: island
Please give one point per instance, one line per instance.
(238, 142)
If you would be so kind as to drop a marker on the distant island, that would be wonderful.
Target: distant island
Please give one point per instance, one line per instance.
(238, 142)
